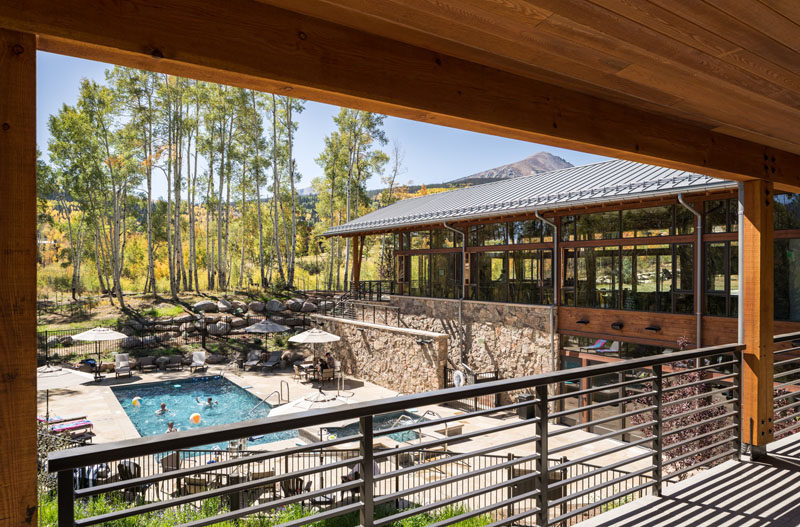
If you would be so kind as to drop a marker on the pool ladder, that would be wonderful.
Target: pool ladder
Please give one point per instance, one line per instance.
(274, 392)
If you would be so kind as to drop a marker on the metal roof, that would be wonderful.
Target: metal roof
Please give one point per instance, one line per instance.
(607, 181)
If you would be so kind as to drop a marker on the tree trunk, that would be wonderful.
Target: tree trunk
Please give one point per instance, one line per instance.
(276, 190)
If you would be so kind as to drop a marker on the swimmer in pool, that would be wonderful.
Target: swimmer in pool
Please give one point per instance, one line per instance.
(171, 427)
(162, 410)
(208, 404)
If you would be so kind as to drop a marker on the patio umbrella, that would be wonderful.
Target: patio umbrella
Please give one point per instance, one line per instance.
(98, 335)
(266, 326)
(314, 336)
(312, 401)
(49, 378)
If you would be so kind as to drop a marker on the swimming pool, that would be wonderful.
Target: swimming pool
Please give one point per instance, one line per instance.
(234, 404)
(382, 422)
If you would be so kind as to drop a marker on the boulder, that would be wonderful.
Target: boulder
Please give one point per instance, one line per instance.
(308, 307)
(291, 356)
(135, 324)
(256, 306)
(205, 306)
(213, 358)
(188, 327)
(223, 306)
(183, 319)
(295, 304)
(292, 321)
(130, 342)
(149, 340)
(107, 367)
(53, 340)
(127, 330)
(238, 304)
(219, 328)
(65, 340)
(325, 305)
(238, 322)
(275, 306)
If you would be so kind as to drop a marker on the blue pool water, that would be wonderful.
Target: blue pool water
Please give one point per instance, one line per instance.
(234, 404)
(381, 422)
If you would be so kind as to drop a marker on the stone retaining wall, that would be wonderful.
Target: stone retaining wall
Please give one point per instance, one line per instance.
(512, 338)
(401, 359)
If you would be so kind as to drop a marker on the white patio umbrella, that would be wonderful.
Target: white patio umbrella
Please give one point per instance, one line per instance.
(50, 378)
(98, 335)
(314, 336)
(312, 401)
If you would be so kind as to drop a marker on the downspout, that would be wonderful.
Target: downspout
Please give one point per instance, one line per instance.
(554, 305)
(740, 225)
(698, 265)
(461, 356)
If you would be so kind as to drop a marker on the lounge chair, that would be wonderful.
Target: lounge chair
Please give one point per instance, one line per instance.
(270, 489)
(174, 361)
(597, 345)
(253, 359)
(292, 486)
(198, 361)
(57, 419)
(274, 360)
(122, 364)
(78, 430)
(128, 469)
(195, 484)
(614, 348)
(146, 363)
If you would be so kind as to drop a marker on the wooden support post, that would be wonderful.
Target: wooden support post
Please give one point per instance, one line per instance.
(758, 284)
(18, 268)
(358, 246)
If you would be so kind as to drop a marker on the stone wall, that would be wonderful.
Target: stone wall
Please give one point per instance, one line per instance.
(512, 338)
(401, 359)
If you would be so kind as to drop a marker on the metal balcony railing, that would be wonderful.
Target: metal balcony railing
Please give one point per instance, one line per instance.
(653, 420)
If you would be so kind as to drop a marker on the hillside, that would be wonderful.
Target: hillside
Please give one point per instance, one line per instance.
(535, 164)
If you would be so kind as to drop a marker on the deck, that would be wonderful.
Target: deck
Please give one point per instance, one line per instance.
(735, 493)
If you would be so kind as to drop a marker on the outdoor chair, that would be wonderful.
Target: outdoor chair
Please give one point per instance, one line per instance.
(298, 375)
(326, 375)
(198, 361)
(614, 348)
(128, 469)
(597, 345)
(122, 364)
(146, 363)
(253, 359)
(292, 487)
(174, 361)
(258, 493)
(274, 360)
(85, 477)
(170, 463)
(194, 484)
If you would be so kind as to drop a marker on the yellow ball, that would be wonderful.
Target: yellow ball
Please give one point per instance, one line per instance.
(137, 401)
(195, 418)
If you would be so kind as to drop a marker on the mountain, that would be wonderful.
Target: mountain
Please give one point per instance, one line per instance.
(535, 164)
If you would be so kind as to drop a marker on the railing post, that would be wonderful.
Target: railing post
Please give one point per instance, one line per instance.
(737, 418)
(658, 475)
(543, 467)
(66, 499)
(367, 487)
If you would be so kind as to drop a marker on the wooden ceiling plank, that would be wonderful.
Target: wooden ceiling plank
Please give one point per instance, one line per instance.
(262, 47)
(788, 8)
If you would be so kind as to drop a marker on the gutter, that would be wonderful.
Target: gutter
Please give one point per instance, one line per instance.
(554, 305)
(462, 355)
(698, 271)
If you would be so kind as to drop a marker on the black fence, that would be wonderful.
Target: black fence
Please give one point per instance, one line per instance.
(476, 403)
(373, 290)
(165, 336)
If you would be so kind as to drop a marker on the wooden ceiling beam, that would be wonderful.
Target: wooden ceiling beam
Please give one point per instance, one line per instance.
(253, 45)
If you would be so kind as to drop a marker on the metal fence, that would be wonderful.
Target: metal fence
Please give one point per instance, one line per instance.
(364, 311)
(684, 407)
(164, 335)
(473, 404)
(373, 290)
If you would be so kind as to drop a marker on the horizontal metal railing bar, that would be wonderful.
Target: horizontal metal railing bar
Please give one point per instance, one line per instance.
(682, 471)
(230, 489)
(785, 373)
(600, 437)
(784, 337)
(454, 458)
(511, 519)
(599, 503)
(786, 350)
(687, 455)
(787, 429)
(601, 404)
(598, 470)
(240, 513)
(448, 501)
(104, 452)
(786, 361)
(189, 471)
(595, 488)
(486, 509)
(699, 437)
(616, 417)
(694, 425)
(603, 453)
(453, 479)
(786, 407)
(786, 395)
(778, 387)
(601, 388)
(699, 409)
(786, 418)
(701, 381)
(453, 439)
(710, 393)
(699, 368)
(443, 420)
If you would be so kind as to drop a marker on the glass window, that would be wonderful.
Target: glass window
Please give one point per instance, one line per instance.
(446, 272)
(787, 211)
(722, 280)
(547, 277)
(419, 275)
(598, 226)
(716, 267)
(444, 239)
(787, 279)
(489, 234)
(420, 240)
(568, 285)
(567, 228)
(524, 278)
(716, 216)
(650, 221)
(685, 220)
(597, 277)
(529, 231)
(684, 267)
(490, 276)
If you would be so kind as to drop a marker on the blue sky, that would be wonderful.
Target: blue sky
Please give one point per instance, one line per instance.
(433, 154)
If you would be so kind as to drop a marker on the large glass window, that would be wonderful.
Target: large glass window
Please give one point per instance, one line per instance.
(529, 279)
(721, 279)
(598, 226)
(787, 279)
(489, 234)
(444, 239)
(597, 277)
(490, 276)
(419, 275)
(418, 240)
(567, 229)
(650, 221)
(446, 275)
(529, 231)
(720, 215)
(787, 211)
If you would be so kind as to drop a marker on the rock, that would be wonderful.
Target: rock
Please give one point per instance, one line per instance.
(256, 306)
(107, 367)
(275, 306)
(205, 306)
(130, 342)
(134, 324)
(238, 322)
(308, 307)
(53, 340)
(324, 305)
(223, 306)
(219, 328)
(238, 304)
(183, 319)
(295, 304)
(293, 321)
(213, 358)
(127, 330)
(149, 340)
(188, 327)
(291, 356)
(65, 340)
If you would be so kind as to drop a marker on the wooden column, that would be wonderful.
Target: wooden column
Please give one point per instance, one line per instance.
(18, 463)
(758, 284)
(358, 242)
